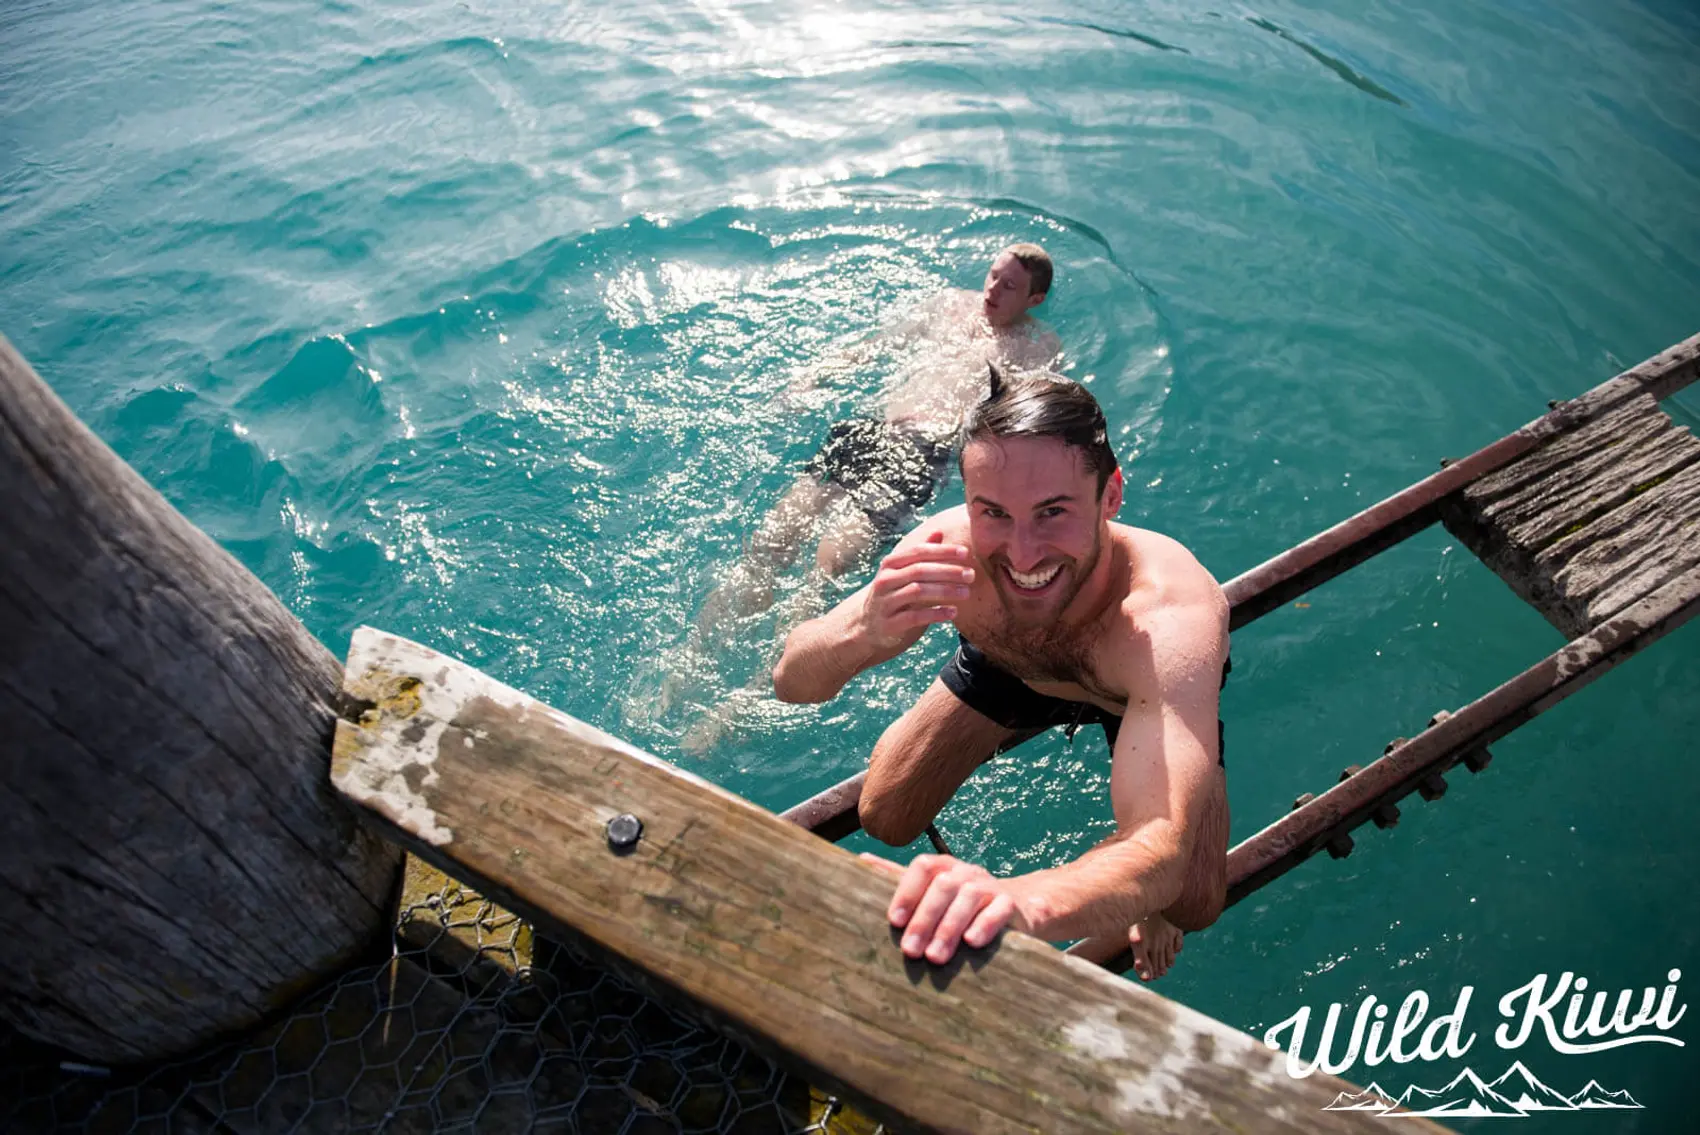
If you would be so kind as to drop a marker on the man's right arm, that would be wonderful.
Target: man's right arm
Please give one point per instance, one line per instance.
(917, 585)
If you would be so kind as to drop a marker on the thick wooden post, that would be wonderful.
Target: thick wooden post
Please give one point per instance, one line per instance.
(173, 862)
(779, 936)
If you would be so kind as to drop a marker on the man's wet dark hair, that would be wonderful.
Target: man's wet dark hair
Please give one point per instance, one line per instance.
(1042, 405)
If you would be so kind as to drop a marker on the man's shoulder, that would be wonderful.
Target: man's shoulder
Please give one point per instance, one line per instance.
(1171, 594)
(1164, 559)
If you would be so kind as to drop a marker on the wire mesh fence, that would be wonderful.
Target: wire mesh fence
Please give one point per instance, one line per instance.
(472, 1024)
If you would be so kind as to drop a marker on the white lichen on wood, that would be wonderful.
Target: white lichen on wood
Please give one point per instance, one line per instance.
(415, 695)
(1168, 1079)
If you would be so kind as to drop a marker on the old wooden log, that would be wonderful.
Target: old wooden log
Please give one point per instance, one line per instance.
(176, 864)
(778, 935)
(1591, 521)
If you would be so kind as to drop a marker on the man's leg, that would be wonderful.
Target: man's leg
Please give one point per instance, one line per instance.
(1156, 939)
(847, 540)
(920, 762)
(748, 587)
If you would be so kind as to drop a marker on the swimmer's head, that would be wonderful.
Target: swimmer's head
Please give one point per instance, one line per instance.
(1017, 282)
(1043, 405)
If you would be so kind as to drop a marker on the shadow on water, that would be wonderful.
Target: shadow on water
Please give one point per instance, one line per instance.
(1119, 33)
(1363, 83)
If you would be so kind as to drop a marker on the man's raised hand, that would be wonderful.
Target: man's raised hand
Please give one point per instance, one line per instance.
(914, 587)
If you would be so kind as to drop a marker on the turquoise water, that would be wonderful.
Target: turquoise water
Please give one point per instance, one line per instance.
(465, 320)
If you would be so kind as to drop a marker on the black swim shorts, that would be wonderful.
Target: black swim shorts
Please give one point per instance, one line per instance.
(889, 470)
(988, 688)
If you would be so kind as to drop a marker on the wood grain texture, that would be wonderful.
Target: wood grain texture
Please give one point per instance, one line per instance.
(177, 865)
(767, 929)
(1593, 520)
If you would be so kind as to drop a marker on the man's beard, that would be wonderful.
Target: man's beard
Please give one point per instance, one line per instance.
(1031, 642)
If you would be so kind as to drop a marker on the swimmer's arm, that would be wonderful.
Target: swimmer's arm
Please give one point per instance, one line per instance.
(917, 585)
(1161, 778)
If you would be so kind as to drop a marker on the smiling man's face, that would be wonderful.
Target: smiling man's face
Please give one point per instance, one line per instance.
(1036, 522)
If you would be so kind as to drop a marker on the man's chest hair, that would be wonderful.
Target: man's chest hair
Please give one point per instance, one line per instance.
(1049, 656)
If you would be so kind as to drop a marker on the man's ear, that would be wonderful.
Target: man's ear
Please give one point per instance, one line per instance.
(1034, 299)
(1113, 494)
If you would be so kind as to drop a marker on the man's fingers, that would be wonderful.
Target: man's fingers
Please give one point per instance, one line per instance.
(922, 616)
(991, 920)
(929, 909)
(958, 916)
(932, 552)
(930, 590)
(912, 887)
(890, 582)
(925, 595)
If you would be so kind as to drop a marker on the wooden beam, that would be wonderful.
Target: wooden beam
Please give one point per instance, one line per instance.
(777, 935)
(166, 818)
(1592, 521)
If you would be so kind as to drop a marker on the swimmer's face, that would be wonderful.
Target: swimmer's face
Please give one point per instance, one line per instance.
(1036, 521)
(1008, 294)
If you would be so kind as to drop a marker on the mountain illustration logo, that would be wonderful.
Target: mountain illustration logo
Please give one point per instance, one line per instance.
(1595, 1096)
(1372, 1098)
(1465, 1095)
(1525, 1090)
(1516, 1092)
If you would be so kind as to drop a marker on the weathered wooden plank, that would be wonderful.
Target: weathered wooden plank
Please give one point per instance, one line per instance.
(1592, 521)
(1627, 554)
(1626, 424)
(1618, 533)
(164, 803)
(1613, 470)
(778, 934)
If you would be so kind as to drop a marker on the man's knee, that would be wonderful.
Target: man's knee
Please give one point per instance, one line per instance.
(884, 817)
(1200, 906)
(891, 804)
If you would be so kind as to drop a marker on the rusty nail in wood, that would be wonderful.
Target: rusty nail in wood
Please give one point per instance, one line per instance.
(1432, 787)
(624, 831)
(1386, 816)
(1477, 759)
(1394, 744)
(1350, 771)
(1340, 846)
(1301, 801)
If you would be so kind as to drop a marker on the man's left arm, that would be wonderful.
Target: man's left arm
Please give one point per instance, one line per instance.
(1162, 776)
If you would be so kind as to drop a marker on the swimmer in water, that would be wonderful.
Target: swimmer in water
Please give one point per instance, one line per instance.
(875, 473)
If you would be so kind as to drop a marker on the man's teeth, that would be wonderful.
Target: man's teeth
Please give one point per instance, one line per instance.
(1035, 580)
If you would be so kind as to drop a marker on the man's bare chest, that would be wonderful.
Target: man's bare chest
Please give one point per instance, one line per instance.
(1058, 666)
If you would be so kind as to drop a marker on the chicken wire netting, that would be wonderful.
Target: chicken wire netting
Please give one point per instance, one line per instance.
(471, 1025)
